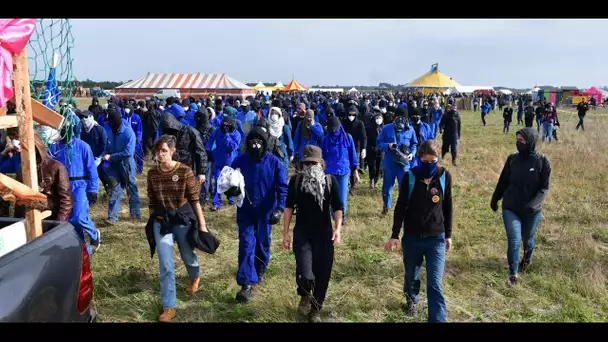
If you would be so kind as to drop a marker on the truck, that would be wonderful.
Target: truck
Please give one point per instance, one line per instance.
(47, 279)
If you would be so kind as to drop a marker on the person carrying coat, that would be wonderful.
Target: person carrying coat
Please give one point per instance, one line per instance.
(375, 155)
(224, 144)
(265, 195)
(135, 122)
(523, 186)
(340, 158)
(450, 125)
(356, 128)
(119, 165)
(77, 157)
(398, 142)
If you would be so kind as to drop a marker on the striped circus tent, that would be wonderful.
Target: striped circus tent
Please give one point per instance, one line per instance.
(188, 85)
(294, 86)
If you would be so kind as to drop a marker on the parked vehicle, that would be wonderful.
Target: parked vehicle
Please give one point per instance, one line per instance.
(164, 94)
(47, 279)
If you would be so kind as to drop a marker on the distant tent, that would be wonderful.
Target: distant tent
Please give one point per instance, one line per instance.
(278, 87)
(593, 92)
(504, 91)
(294, 86)
(433, 81)
(353, 90)
(259, 86)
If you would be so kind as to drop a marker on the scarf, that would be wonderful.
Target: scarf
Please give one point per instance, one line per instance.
(337, 139)
(276, 127)
(88, 123)
(313, 182)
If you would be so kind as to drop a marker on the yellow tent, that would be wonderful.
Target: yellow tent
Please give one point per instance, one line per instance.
(433, 81)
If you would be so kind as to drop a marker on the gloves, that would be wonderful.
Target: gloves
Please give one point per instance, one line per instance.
(363, 154)
(276, 216)
(92, 197)
(494, 205)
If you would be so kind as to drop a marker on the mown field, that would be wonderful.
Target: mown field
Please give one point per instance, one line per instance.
(568, 280)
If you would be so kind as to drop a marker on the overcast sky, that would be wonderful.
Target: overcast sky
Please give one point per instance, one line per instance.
(514, 53)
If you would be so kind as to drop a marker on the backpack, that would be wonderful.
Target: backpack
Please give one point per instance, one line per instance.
(328, 185)
(412, 182)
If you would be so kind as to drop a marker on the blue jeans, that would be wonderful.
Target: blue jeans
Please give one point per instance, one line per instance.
(116, 196)
(254, 250)
(435, 127)
(431, 248)
(538, 124)
(217, 197)
(343, 191)
(164, 248)
(519, 228)
(390, 173)
(548, 131)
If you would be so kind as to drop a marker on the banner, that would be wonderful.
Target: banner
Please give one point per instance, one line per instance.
(578, 99)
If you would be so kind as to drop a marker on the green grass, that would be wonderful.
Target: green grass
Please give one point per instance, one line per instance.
(567, 281)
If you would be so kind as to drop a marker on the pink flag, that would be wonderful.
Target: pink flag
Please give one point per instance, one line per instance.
(14, 34)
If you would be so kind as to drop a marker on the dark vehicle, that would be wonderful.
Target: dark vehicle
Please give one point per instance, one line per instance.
(48, 279)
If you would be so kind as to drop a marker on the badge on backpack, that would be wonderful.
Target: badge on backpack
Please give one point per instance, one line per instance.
(434, 191)
(435, 199)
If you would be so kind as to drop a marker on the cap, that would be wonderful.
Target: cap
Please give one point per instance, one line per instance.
(311, 154)
(245, 103)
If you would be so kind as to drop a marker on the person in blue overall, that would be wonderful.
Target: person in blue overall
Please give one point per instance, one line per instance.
(265, 195)
(435, 113)
(423, 133)
(278, 129)
(220, 113)
(340, 156)
(485, 109)
(189, 109)
(96, 137)
(308, 132)
(247, 118)
(398, 142)
(135, 122)
(77, 157)
(224, 145)
(119, 164)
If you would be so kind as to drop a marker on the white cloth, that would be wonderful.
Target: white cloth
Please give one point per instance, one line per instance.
(363, 154)
(276, 127)
(228, 178)
(97, 161)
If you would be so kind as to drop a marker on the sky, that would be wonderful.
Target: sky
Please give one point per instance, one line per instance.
(514, 53)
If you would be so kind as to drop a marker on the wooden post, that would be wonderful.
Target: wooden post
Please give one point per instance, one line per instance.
(33, 218)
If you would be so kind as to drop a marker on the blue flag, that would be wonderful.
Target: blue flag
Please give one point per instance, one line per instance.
(434, 67)
(51, 94)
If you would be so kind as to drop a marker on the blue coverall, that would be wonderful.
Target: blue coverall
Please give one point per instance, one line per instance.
(266, 188)
(435, 114)
(217, 122)
(391, 169)
(135, 122)
(426, 133)
(299, 141)
(226, 149)
(79, 161)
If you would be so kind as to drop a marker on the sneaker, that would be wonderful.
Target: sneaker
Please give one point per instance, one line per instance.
(193, 286)
(513, 280)
(96, 243)
(454, 163)
(213, 208)
(110, 222)
(261, 277)
(314, 316)
(372, 184)
(244, 295)
(344, 221)
(351, 192)
(167, 316)
(384, 211)
(304, 306)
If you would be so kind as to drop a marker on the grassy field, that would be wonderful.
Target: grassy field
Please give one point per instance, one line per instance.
(568, 280)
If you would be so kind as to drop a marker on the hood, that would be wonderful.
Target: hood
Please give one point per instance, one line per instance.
(177, 110)
(353, 109)
(168, 121)
(40, 147)
(531, 136)
(258, 132)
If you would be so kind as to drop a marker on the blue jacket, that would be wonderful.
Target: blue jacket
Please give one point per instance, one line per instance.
(265, 187)
(339, 160)
(316, 137)
(10, 165)
(388, 136)
(217, 122)
(485, 108)
(79, 161)
(97, 139)
(226, 147)
(436, 114)
(248, 120)
(121, 148)
(136, 125)
(425, 134)
(286, 142)
(189, 118)
(77, 125)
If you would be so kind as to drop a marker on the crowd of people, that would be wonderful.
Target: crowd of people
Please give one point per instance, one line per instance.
(331, 140)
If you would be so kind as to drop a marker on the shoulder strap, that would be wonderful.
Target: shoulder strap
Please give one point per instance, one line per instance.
(442, 183)
(411, 183)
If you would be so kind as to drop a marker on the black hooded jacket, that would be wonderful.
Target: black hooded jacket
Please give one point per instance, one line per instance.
(96, 109)
(450, 124)
(524, 181)
(150, 122)
(273, 145)
(356, 128)
(189, 146)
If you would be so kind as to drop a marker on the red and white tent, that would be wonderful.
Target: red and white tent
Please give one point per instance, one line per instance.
(188, 84)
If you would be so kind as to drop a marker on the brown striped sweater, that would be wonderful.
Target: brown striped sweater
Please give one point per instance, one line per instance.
(172, 189)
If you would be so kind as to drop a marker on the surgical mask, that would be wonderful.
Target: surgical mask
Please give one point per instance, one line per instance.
(161, 107)
(15, 143)
(351, 118)
(127, 111)
(186, 108)
(383, 110)
(274, 117)
(379, 121)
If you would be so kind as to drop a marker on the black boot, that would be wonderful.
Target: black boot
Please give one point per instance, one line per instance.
(245, 294)
(304, 306)
(526, 261)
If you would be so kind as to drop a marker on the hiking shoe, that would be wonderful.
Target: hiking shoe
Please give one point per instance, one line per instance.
(384, 211)
(111, 222)
(213, 208)
(524, 264)
(411, 309)
(193, 286)
(304, 306)
(314, 316)
(513, 280)
(372, 185)
(244, 295)
(454, 163)
(261, 277)
(351, 192)
(167, 316)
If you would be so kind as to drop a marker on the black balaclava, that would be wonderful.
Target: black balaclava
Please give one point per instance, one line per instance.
(333, 124)
(401, 123)
(256, 143)
(201, 118)
(114, 120)
(400, 111)
(95, 100)
(228, 125)
(256, 105)
(531, 136)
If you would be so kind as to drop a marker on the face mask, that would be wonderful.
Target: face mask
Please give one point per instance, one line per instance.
(255, 148)
(16, 144)
(186, 108)
(429, 169)
(274, 117)
(379, 121)
(161, 107)
(521, 147)
(351, 118)
(383, 110)
(127, 111)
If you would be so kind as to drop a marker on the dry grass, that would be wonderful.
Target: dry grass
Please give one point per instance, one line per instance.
(567, 281)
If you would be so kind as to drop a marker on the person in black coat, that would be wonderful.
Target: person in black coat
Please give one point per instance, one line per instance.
(582, 109)
(355, 127)
(150, 122)
(529, 115)
(520, 111)
(374, 154)
(450, 126)
(96, 108)
(507, 115)
(523, 186)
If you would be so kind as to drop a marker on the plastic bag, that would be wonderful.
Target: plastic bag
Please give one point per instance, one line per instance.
(228, 178)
